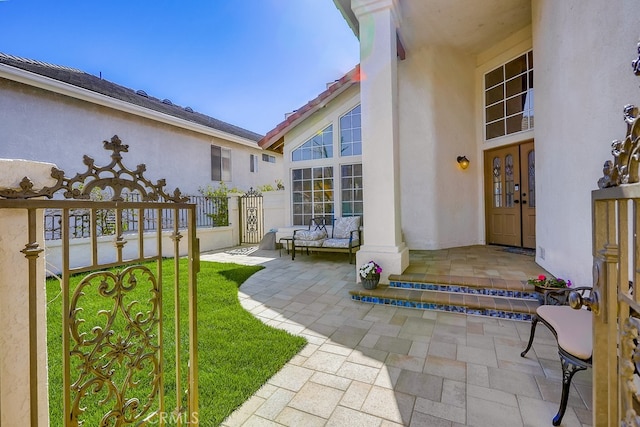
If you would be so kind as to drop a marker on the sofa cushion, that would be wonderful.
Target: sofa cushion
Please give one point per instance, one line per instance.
(339, 243)
(343, 227)
(310, 235)
(309, 243)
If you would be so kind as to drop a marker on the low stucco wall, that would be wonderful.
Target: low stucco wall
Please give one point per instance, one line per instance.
(80, 253)
(274, 209)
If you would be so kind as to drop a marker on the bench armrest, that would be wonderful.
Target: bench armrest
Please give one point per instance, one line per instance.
(560, 296)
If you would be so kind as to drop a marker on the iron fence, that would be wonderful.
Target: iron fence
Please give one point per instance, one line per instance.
(210, 212)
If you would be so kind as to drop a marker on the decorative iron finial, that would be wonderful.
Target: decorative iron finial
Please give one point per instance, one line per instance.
(626, 154)
(636, 63)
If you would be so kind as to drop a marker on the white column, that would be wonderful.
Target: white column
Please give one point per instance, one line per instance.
(383, 238)
(15, 400)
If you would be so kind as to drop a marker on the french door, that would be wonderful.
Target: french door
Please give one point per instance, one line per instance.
(510, 195)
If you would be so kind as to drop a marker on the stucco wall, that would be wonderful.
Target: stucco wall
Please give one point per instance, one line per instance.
(583, 79)
(43, 126)
(440, 202)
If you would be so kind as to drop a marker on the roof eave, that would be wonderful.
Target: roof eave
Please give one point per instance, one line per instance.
(344, 6)
(46, 83)
(268, 143)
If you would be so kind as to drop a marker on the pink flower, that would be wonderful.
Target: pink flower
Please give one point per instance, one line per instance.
(542, 277)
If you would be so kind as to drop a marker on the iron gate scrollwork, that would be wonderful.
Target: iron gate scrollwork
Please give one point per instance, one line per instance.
(251, 217)
(113, 351)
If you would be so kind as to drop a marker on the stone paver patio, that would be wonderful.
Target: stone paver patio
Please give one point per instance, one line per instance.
(368, 365)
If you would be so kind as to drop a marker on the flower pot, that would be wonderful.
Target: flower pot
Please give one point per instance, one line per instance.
(371, 283)
(555, 299)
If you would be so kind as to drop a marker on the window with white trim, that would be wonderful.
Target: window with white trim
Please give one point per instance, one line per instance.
(268, 158)
(508, 97)
(312, 193)
(220, 163)
(320, 146)
(351, 133)
(315, 190)
(253, 163)
(351, 189)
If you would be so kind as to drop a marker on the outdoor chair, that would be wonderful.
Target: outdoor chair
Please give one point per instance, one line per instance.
(345, 236)
(573, 331)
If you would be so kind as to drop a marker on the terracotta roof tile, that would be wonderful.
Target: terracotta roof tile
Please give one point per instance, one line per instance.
(273, 139)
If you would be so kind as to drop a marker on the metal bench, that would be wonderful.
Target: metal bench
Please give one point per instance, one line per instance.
(345, 236)
(573, 331)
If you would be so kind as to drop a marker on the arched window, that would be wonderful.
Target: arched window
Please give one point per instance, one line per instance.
(320, 146)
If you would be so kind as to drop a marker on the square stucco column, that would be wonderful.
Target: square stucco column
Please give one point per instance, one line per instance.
(383, 240)
(16, 352)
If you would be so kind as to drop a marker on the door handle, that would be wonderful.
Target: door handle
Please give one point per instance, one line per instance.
(516, 201)
(524, 202)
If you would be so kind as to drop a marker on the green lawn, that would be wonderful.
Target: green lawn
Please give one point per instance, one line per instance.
(237, 353)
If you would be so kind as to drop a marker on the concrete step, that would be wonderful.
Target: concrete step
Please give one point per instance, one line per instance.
(493, 297)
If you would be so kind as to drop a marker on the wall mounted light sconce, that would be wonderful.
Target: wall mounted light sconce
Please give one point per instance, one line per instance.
(463, 162)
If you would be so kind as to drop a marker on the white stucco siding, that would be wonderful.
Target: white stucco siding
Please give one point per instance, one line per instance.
(440, 202)
(43, 126)
(583, 79)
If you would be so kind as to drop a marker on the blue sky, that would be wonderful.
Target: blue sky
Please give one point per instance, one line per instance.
(246, 62)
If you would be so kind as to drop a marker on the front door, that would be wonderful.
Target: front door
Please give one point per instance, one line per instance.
(510, 195)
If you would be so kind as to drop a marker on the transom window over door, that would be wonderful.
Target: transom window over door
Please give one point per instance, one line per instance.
(508, 97)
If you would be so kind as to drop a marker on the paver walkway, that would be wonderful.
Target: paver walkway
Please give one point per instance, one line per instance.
(367, 365)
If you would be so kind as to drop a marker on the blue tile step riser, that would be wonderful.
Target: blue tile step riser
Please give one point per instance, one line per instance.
(464, 289)
(500, 314)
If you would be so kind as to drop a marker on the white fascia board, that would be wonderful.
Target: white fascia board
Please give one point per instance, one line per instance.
(53, 85)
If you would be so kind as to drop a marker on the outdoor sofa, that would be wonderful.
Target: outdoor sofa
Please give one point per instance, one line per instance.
(345, 236)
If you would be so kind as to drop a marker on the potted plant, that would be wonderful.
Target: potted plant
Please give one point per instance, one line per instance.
(543, 284)
(370, 274)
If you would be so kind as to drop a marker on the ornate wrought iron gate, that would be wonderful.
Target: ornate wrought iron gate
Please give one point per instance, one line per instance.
(251, 217)
(118, 362)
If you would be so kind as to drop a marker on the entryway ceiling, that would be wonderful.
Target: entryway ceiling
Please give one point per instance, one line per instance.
(468, 25)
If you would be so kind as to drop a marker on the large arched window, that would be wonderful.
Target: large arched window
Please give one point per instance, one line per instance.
(322, 185)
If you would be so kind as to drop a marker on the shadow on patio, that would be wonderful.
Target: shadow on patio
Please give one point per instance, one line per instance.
(376, 365)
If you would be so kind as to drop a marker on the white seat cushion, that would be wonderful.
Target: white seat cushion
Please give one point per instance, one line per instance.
(339, 243)
(309, 243)
(310, 235)
(573, 328)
